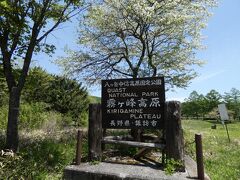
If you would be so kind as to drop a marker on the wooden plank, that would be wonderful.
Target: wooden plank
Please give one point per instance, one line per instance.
(134, 143)
(144, 151)
(121, 138)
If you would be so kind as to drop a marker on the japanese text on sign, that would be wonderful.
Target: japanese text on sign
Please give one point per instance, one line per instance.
(128, 103)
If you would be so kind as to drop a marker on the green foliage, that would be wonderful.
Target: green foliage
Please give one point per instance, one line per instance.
(36, 86)
(24, 28)
(34, 115)
(171, 166)
(213, 98)
(3, 116)
(39, 159)
(221, 158)
(67, 97)
(94, 99)
(3, 88)
(46, 96)
(198, 105)
(232, 100)
(194, 106)
(63, 95)
(32, 21)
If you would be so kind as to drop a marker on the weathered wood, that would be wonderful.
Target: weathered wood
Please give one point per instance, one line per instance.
(150, 137)
(144, 151)
(137, 134)
(104, 134)
(95, 132)
(134, 143)
(199, 156)
(174, 132)
(121, 138)
(79, 148)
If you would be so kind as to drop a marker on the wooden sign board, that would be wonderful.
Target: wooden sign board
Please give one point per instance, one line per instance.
(223, 112)
(133, 103)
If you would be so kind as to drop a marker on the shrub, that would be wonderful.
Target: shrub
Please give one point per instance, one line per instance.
(32, 115)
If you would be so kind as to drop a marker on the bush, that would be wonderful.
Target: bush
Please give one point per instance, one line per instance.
(42, 160)
(67, 97)
(36, 116)
(31, 115)
(43, 93)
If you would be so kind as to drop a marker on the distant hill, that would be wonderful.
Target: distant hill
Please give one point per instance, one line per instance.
(94, 99)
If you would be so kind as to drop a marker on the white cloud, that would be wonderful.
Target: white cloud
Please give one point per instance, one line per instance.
(208, 76)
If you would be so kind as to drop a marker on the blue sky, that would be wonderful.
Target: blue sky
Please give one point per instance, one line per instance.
(222, 55)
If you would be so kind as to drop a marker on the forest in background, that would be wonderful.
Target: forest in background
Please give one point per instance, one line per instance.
(59, 101)
(205, 106)
(48, 100)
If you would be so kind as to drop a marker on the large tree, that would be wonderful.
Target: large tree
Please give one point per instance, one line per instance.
(213, 98)
(232, 100)
(194, 105)
(24, 27)
(136, 38)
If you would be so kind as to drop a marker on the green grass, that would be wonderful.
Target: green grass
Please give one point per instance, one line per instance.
(221, 158)
(94, 99)
(44, 156)
(40, 158)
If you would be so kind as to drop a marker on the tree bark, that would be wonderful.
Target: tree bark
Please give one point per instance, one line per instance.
(13, 115)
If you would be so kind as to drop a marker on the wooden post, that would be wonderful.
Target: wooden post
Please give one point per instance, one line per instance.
(199, 156)
(174, 133)
(79, 148)
(95, 133)
(104, 134)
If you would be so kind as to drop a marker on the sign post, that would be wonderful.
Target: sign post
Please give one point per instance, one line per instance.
(224, 116)
(133, 103)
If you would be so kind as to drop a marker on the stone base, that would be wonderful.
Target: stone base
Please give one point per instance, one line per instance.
(114, 171)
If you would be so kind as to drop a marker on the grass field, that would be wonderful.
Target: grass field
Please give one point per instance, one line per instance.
(43, 156)
(221, 158)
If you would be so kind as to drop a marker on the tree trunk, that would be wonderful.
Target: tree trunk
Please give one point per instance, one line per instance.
(13, 115)
(136, 133)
